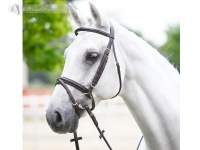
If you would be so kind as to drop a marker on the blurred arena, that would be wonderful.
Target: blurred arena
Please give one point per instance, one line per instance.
(113, 116)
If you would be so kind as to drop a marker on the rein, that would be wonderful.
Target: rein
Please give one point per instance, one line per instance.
(88, 91)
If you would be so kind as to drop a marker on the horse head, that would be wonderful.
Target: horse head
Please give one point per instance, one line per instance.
(82, 59)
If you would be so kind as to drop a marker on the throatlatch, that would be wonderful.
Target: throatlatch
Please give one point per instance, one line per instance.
(88, 91)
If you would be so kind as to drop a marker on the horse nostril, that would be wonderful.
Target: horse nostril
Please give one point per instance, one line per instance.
(58, 117)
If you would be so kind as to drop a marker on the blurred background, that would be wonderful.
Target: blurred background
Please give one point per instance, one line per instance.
(47, 35)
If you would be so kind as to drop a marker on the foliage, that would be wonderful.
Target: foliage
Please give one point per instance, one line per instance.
(172, 47)
(44, 37)
(42, 78)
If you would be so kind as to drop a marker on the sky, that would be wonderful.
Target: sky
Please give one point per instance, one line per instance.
(150, 17)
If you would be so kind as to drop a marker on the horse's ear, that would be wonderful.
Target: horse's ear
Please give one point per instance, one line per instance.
(79, 19)
(100, 20)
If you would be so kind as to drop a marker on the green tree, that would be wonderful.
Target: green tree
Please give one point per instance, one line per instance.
(171, 49)
(43, 36)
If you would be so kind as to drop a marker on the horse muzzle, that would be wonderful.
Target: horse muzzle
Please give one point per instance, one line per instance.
(62, 119)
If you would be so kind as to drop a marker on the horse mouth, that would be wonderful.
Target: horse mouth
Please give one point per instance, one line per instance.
(74, 124)
(63, 130)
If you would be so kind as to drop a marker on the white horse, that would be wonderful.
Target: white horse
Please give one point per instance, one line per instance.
(150, 84)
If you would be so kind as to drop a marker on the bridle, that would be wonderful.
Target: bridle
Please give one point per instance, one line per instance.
(88, 91)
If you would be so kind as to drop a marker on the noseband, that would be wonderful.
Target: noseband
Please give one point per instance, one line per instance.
(88, 91)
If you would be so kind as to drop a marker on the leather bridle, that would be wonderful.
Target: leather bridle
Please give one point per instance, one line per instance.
(88, 91)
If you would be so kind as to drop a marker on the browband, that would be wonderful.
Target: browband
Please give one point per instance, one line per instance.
(93, 30)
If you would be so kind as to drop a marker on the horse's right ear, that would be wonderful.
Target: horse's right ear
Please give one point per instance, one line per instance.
(79, 19)
(99, 19)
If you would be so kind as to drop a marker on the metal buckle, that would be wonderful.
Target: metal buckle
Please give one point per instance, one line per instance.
(80, 105)
(92, 86)
(74, 104)
(107, 49)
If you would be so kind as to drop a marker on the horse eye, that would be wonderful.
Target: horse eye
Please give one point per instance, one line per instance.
(92, 56)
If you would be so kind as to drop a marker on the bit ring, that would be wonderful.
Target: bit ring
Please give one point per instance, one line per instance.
(80, 105)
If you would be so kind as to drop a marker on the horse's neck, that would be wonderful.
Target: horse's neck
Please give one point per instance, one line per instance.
(151, 91)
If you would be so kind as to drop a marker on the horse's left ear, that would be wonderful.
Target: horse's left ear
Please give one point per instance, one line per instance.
(100, 20)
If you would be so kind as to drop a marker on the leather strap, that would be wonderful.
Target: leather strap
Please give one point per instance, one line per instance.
(93, 30)
(59, 81)
(100, 69)
(97, 126)
(63, 81)
(74, 84)
(139, 143)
